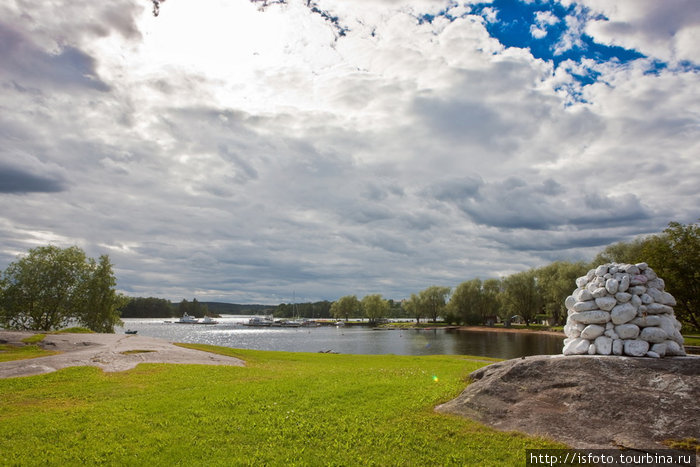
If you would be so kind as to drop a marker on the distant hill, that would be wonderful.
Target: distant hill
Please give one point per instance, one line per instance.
(220, 308)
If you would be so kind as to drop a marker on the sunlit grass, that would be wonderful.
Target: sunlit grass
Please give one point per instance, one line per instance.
(281, 408)
(11, 352)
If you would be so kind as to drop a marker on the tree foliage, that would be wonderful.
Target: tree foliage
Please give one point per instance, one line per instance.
(375, 307)
(555, 282)
(521, 295)
(345, 307)
(51, 286)
(675, 257)
(147, 307)
(433, 300)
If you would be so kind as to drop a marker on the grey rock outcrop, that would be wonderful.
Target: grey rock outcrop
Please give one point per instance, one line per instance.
(587, 402)
(627, 304)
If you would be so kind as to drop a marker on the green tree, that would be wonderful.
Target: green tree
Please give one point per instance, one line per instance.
(150, 307)
(490, 301)
(345, 307)
(466, 301)
(621, 252)
(521, 295)
(433, 300)
(51, 286)
(374, 307)
(412, 307)
(556, 281)
(675, 257)
(101, 301)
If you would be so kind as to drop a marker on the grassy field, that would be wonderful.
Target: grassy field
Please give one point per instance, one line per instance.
(281, 409)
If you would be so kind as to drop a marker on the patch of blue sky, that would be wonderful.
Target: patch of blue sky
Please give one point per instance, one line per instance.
(551, 32)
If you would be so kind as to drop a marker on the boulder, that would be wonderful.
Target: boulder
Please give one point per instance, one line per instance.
(644, 402)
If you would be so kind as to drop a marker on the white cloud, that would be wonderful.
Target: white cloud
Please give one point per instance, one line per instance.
(663, 30)
(249, 154)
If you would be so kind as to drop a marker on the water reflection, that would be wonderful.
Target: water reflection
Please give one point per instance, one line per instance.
(352, 340)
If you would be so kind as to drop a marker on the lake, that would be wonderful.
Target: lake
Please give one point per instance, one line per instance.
(230, 332)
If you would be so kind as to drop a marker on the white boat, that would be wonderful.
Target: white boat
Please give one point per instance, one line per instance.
(187, 319)
(259, 321)
(208, 320)
(339, 323)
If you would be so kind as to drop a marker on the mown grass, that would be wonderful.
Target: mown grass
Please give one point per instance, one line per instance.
(22, 352)
(281, 409)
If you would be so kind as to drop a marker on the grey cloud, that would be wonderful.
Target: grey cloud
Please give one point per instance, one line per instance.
(514, 203)
(15, 180)
(25, 63)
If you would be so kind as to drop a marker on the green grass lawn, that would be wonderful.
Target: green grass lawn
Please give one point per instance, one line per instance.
(281, 409)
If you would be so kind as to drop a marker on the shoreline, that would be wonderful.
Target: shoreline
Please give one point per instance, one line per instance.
(512, 330)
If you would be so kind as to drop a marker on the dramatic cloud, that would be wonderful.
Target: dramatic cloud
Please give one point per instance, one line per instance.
(254, 151)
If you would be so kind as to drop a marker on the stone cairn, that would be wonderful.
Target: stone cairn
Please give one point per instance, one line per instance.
(622, 309)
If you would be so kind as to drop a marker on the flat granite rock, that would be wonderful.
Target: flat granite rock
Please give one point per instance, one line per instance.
(587, 401)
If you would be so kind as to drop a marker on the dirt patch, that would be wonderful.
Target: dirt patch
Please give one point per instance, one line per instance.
(588, 402)
(111, 352)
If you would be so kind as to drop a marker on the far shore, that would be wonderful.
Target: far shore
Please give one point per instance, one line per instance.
(502, 329)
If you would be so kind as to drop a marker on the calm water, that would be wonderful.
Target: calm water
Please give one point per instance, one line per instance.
(350, 340)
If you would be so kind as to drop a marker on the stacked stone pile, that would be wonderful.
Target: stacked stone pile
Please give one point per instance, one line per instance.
(622, 309)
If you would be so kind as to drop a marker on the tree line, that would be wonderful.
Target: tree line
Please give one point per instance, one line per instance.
(52, 287)
(539, 293)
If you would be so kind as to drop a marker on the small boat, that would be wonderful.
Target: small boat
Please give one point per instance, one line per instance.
(257, 321)
(208, 320)
(339, 323)
(187, 319)
(129, 331)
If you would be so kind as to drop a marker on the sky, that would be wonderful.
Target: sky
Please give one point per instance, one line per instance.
(254, 151)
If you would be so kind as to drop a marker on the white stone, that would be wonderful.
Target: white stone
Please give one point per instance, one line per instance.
(658, 308)
(617, 347)
(573, 329)
(635, 301)
(624, 283)
(599, 292)
(639, 279)
(646, 299)
(591, 317)
(611, 334)
(606, 303)
(666, 323)
(607, 276)
(603, 345)
(569, 302)
(668, 299)
(653, 334)
(653, 354)
(590, 275)
(611, 286)
(591, 349)
(645, 321)
(650, 274)
(632, 269)
(613, 269)
(637, 290)
(581, 281)
(592, 331)
(582, 295)
(601, 270)
(642, 266)
(673, 348)
(660, 349)
(623, 313)
(623, 297)
(627, 331)
(636, 347)
(609, 325)
(585, 306)
(576, 347)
